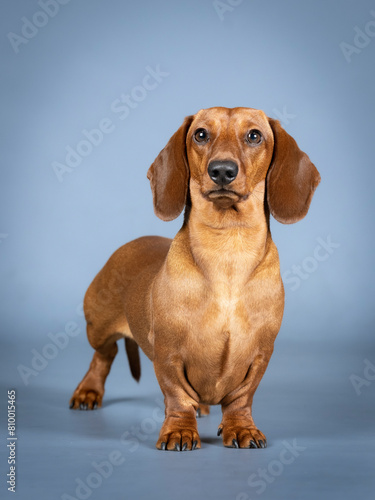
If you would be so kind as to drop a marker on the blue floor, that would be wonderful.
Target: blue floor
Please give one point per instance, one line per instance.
(321, 440)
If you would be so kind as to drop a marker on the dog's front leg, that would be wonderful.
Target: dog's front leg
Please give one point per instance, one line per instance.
(237, 426)
(179, 431)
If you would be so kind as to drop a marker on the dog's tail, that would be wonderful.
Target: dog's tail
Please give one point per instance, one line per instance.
(132, 352)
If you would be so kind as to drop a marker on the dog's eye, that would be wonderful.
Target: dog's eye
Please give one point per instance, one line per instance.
(201, 135)
(254, 137)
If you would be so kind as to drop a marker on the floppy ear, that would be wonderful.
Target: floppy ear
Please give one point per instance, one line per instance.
(169, 175)
(291, 179)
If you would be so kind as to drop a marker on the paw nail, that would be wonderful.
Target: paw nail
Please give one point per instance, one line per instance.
(184, 447)
(235, 443)
(177, 447)
(253, 444)
(199, 413)
(261, 444)
(219, 431)
(71, 404)
(163, 446)
(195, 443)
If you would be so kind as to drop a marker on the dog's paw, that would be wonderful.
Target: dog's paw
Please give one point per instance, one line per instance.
(86, 399)
(180, 440)
(242, 436)
(178, 434)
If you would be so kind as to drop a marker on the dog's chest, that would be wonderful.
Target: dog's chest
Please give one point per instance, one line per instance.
(233, 318)
(216, 320)
(219, 345)
(225, 309)
(225, 318)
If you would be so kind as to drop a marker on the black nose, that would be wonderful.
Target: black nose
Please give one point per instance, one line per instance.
(222, 172)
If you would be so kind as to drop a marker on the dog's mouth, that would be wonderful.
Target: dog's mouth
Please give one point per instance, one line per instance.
(224, 194)
(216, 194)
(224, 198)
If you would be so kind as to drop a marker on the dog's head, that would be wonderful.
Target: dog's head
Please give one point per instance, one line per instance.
(223, 155)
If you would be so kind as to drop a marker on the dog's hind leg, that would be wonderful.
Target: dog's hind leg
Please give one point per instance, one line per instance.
(203, 410)
(89, 392)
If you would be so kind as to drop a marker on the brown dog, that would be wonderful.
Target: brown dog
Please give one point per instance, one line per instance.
(207, 306)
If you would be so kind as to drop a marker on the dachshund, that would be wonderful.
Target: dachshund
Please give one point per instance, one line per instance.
(206, 306)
